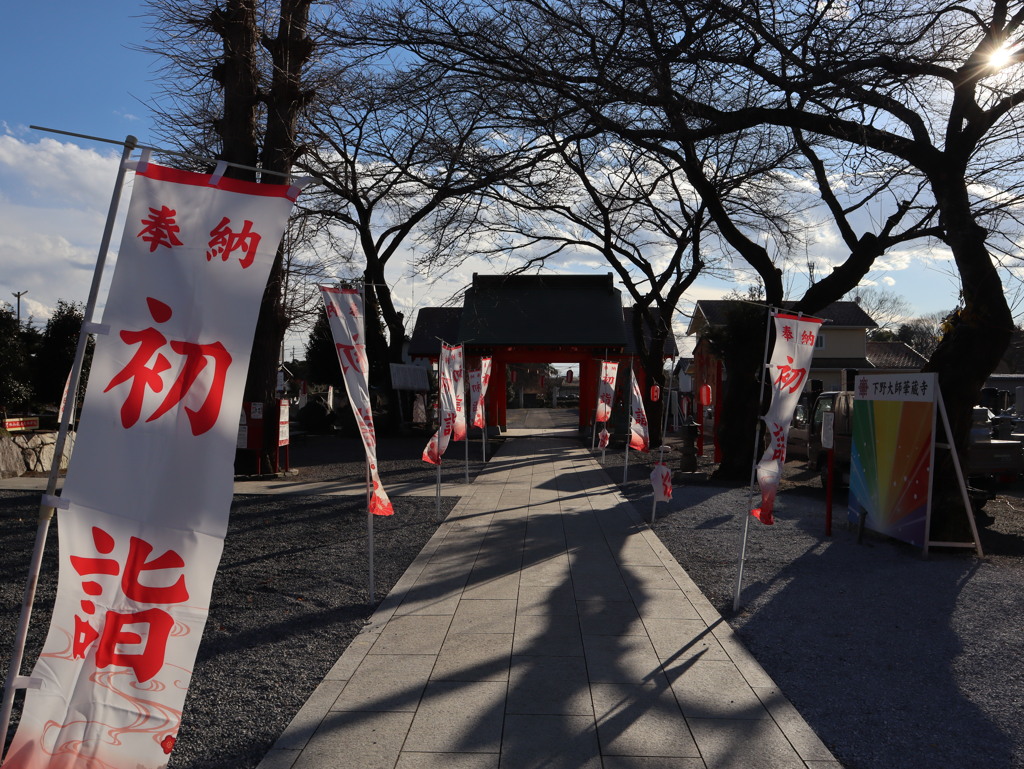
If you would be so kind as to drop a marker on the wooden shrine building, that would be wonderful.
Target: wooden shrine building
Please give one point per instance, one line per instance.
(576, 319)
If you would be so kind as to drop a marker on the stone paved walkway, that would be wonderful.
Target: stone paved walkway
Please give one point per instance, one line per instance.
(544, 625)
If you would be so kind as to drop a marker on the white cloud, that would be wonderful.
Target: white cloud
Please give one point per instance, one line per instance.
(53, 204)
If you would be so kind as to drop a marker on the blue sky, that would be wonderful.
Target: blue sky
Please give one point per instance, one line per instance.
(69, 65)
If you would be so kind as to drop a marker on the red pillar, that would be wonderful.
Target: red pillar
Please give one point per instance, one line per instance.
(589, 371)
(496, 393)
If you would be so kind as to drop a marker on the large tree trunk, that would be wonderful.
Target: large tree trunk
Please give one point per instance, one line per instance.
(290, 51)
(741, 347)
(969, 352)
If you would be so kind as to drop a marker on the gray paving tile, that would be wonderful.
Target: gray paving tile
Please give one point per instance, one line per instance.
(622, 659)
(546, 599)
(743, 744)
(792, 724)
(551, 636)
(550, 742)
(549, 685)
(474, 657)
(279, 759)
(386, 682)
(635, 551)
(606, 587)
(459, 717)
(712, 689)
(305, 723)
(641, 720)
(490, 583)
(600, 617)
(410, 760)
(412, 635)
(666, 604)
(366, 740)
(640, 579)
(485, 616)
(651, 762)
(678, 640)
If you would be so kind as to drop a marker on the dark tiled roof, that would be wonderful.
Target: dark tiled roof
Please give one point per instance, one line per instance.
(579, 310)
(861, 364)
(432, 325)
(895, 355)
(837, 314)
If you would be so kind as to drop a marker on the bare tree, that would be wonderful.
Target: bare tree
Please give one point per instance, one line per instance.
(402, 155)
(235, 90)
(886, 308)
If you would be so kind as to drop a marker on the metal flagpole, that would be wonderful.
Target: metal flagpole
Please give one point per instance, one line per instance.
(629, 423)
(369, 530)
(753, 477)
(369, 481)
(440, 427)
(49, 503)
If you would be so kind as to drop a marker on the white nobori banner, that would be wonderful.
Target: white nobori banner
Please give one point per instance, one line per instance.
(449, 399)
(345, 312)
(606, 390)
(639, 434)
(479, 380)
(146, 500)
(795, 338)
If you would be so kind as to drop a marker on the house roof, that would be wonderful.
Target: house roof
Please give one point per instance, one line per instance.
(543, 310)
(894, 355)
(714, 312)
(432, 325)
(837, 364)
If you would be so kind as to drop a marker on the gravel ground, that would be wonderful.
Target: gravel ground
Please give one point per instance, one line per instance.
(290, 593)
(894, 660)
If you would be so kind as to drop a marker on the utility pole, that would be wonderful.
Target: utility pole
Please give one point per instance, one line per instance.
(19, 294)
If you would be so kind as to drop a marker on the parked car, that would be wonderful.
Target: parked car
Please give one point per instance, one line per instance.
(989, 461)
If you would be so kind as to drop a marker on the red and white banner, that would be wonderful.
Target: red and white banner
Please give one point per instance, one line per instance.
(345, 314)
(603, 437)
(449, 372)
(606, 390)
(145, 505)
(478, 383)
(661, 481)
(458, 372)
(639, 435)
(790, 362)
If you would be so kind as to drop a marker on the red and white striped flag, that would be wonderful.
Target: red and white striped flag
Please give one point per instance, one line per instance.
(345, 313)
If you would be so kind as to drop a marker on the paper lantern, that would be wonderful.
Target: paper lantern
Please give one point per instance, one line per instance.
(568, 375)
(705, 395)
(655, 393)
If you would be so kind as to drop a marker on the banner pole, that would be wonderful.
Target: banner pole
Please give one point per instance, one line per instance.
(369, 531)
(753, 475)
(46, 508)
(440, 427)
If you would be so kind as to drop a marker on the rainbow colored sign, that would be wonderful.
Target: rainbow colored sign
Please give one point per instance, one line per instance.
(893, 454)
